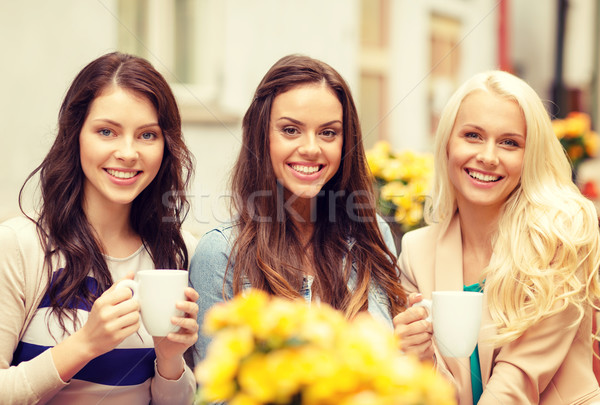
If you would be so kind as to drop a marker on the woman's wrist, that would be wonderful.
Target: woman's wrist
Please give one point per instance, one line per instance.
(71, 355)
(170, 369)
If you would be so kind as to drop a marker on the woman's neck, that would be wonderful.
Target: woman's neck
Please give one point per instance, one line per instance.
(113, 228)
(302, 212)
(477, 229)
(305, 226)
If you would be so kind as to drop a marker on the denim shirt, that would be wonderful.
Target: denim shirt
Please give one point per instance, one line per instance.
(207, 272)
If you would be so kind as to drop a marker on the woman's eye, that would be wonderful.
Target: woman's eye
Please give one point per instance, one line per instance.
(471, 135)
(510, 142)
(290, 131)
(148, 136)
(329, 133)
(105, 132)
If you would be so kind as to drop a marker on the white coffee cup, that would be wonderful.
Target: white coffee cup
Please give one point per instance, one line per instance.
(456, 318)
(157, 292)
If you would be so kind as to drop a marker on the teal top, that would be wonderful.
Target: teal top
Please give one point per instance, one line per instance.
(476, 386)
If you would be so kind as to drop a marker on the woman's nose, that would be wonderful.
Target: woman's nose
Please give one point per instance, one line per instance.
(126, 150)
(488, 155)
(310, 145)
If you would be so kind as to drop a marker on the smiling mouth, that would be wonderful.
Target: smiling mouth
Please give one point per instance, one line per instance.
(487, 178)
(122, 174)
(306, 169)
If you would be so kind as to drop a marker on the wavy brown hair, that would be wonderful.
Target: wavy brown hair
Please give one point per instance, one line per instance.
(268, 251)
(157, 212)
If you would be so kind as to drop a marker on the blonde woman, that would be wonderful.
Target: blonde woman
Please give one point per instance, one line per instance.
(508, 221)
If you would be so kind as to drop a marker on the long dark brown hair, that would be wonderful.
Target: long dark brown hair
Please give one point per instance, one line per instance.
(267, 251)
(157, 212)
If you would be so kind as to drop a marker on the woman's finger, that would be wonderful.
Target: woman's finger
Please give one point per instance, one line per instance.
(191, 294)
(190, 308)
(186, 325)
(413, 298)
(410, 315)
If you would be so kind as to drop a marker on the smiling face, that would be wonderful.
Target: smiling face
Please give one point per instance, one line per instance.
(121, 148)
(306, 138)
(485, 150)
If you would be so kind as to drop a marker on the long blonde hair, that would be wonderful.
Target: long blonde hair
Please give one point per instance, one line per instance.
(546, 251)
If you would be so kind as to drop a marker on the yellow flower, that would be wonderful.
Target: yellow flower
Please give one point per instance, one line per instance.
(397, 193)
(377, 157)
(216, 391)
(310, 353)
(419, 188)
(591, 141)
(414, 215)
(289, 378)
(367, 345)
(394, 170)
(363, 398)
(330, 385)
(382, 148)
(243, 399)
(375, 163)
(423, 168)
(315, 363)
(575, 152)
(576, 137)
(432, 386)
(577, 123)
(322, 326)
(256, 379)
(559, 127)
(242, 310)
(392, 190)
(217, 372)
(402, 182)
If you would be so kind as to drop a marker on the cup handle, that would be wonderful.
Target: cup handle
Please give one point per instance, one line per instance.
(131, 284)
(426, 304)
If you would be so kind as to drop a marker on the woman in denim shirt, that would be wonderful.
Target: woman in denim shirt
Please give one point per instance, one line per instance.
(305, 222)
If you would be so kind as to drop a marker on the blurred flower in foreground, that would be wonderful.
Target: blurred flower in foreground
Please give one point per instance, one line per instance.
(269, 350)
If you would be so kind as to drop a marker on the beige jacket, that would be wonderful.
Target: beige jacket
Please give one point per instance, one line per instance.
(550, 364)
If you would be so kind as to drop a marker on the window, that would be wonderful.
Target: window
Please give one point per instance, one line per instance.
(373, 100)
(182, 39)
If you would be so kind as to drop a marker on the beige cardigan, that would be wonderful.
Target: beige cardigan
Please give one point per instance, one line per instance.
(550, 364)
(23, 281)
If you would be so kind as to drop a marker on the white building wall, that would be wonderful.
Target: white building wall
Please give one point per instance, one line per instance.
(44, 44)
(534, 44)
(410, 60)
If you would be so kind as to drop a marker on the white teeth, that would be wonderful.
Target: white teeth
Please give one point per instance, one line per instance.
(305, 169)
(120, 174)
(483, 177)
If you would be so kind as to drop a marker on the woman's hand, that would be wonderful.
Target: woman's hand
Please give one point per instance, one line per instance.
(414, 331)
(169, 350)
(113, 317)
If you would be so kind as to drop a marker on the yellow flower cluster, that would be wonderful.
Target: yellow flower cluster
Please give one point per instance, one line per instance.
(269, 350)
(402, 180)
(577, 137)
